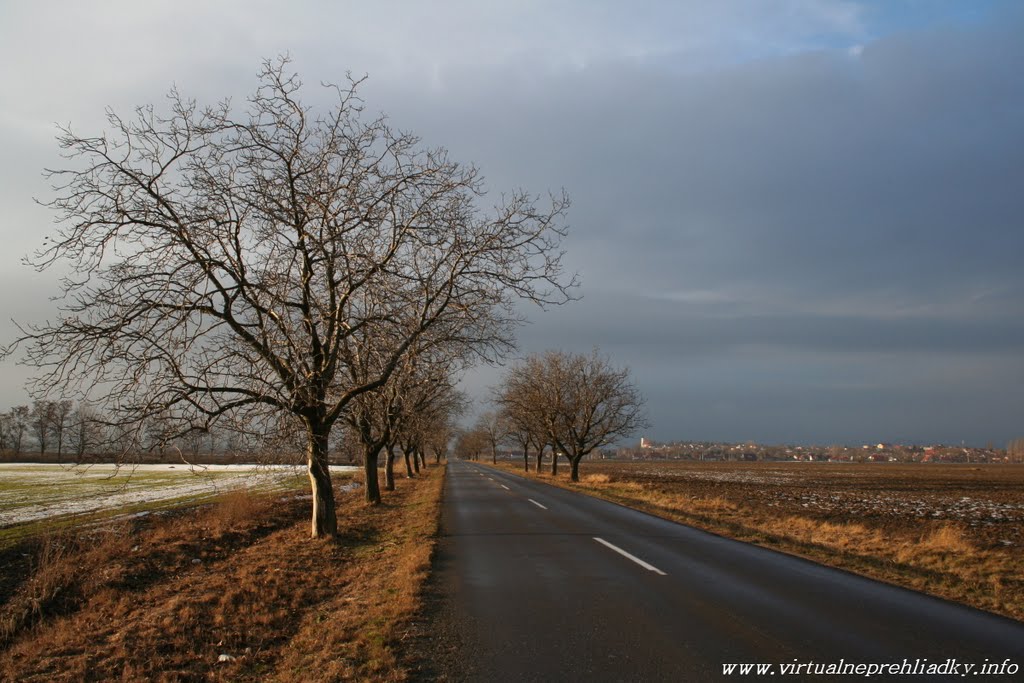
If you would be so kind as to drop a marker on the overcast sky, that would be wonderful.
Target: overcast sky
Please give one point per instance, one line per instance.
(796, 221)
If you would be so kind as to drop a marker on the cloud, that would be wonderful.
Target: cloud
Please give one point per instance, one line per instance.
(810, 173)
(812, 206)
(790, 217)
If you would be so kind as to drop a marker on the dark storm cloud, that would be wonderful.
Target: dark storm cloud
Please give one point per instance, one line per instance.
(862, 203)
(790, 228)
(674, 330)
(896, 169)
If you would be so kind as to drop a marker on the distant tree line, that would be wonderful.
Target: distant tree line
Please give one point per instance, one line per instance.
(79, 432)
(49, 426)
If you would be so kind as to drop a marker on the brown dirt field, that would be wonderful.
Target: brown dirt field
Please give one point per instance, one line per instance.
(163, 599)
(956, 531)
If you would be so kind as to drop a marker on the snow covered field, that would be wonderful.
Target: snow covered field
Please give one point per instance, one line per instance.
(30, 492)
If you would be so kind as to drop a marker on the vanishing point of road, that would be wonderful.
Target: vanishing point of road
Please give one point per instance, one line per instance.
(536, 583)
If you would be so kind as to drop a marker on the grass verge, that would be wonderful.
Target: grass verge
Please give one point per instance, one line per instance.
(230, 591)
(935, 557)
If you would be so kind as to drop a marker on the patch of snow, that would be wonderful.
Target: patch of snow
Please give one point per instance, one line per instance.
(34, 491)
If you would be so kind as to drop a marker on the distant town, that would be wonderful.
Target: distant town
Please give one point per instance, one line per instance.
(871, 452)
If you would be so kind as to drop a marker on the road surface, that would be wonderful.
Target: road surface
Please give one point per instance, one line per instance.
(535, 583)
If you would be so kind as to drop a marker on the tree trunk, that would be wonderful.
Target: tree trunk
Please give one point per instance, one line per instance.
(574, 469)
(526, 459)
(554, 462)
(416, 460)
(325, 519)
(540, 459)
(423, 458)
(370, 470)
(389, 469)
(80, 445)
(408, 464)
(494, 455)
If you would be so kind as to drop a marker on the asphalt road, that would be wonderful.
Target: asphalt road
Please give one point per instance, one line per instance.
(535, 583)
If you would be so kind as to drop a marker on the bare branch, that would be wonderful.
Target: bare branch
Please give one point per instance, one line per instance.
(224, 264)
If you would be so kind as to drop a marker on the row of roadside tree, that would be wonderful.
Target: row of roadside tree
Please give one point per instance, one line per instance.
(283, 272)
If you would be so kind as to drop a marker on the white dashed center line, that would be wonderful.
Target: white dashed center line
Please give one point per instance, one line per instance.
(620, 551)
(536, 503)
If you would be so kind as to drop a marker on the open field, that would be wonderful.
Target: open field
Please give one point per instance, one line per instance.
(55, 494)
(956, 531)
(232, 589)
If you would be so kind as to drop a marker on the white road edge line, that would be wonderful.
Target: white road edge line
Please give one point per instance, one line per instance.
(505, 487)
(620, 551)
(536, 503)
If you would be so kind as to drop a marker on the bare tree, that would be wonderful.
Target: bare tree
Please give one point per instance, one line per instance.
(86, 431)
(528, 439)
(437, 437)
(192, 442)
(524, 399)
(348, 444)
(392, 414)
(582, 401)
(495, 429)
(41, 422)
(226, 264)
(427, 397)
(598, 405)
(526, 405)
(373, 417)
(59, 424)
(19, 424)
(470, 444)
(6, 431)
(428, 411)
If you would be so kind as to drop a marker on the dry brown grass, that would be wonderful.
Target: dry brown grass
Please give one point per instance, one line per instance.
(241, 579)
(950, 559)
(948, 538)
(63, 569)
(355, 635)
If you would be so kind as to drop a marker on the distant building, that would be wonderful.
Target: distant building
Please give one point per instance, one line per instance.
(645, 443)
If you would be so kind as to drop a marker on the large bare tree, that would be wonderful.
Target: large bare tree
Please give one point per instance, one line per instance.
(226, 263)
(582, 402)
